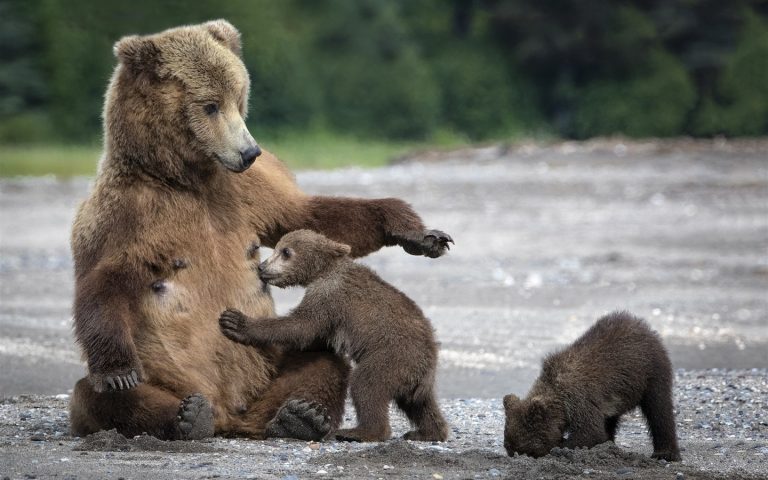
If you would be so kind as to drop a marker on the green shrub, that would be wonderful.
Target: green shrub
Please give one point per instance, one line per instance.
(743, 88)
(480, 97)
(653, 102)
(374, 79)
(26, 127)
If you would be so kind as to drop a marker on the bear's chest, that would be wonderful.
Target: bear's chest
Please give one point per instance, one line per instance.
(211, 265)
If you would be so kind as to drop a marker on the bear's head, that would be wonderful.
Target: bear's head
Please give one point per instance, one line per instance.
(300, 257)
(177, 102)
(533, 426)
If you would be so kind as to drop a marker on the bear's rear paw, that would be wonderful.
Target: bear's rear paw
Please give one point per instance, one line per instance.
(195, 418)
(670, 456)
(301, 420)
(431, 243)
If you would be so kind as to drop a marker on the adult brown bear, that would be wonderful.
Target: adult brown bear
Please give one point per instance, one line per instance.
(169, 238)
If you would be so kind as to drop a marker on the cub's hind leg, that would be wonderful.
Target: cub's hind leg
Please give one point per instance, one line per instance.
(658, 410)
(423, 411)
(371, 397)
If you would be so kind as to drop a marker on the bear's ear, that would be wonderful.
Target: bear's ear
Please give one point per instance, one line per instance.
(226, 34)
(510, 400)
(138, 53)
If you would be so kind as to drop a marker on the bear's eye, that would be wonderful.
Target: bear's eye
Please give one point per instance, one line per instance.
(286, 252)
(211, 108)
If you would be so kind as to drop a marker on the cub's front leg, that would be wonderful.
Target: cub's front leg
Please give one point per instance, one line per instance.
(291, 330)
(238, 327)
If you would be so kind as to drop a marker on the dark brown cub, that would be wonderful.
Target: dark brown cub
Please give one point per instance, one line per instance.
(583, 390)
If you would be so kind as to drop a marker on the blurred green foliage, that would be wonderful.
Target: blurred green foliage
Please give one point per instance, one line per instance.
(415, 69)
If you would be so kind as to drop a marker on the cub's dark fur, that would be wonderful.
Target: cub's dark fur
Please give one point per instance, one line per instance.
(357, 313)
(583, 390)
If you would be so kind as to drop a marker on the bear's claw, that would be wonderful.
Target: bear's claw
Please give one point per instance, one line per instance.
(300, 419)
(195, 418)
(431, 243)
(115, 382)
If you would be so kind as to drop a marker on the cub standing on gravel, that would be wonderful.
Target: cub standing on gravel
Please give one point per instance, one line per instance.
(583, 391)
(357, 313)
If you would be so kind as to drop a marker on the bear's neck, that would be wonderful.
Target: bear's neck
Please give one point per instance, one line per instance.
(166, 169)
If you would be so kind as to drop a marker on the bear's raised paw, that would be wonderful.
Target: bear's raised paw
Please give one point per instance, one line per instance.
(432, 243)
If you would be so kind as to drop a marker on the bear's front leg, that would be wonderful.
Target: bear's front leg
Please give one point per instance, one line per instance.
(367, 225)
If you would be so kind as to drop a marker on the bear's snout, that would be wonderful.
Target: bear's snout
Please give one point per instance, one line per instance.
(249, 155)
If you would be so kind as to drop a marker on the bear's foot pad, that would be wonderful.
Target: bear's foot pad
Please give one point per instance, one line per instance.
(195, 418)
(301, 420)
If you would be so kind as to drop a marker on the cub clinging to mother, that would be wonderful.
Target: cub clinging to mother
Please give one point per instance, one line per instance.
(358, 314)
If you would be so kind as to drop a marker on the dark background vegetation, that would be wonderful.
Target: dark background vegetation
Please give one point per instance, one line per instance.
(413, 69)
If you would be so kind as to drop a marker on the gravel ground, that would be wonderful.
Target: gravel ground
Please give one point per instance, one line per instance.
(548, 238)
(722, 418)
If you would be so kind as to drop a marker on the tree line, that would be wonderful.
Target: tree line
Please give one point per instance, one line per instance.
(412, 69)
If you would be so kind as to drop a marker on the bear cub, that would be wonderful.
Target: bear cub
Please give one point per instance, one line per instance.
(583, 390)
(357, 314)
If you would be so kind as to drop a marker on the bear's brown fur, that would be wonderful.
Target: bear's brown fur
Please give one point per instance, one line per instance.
(583, 390)
(350, 308)
(165, 242)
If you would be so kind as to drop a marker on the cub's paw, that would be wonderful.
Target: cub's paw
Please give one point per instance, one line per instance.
(233, 325)
(667, 455)
(195, 418)
(300, 419)
(115, 381)
(360, 435)
(432, 244)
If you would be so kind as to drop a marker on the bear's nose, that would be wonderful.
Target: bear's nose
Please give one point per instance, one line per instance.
(249, 156)
(262, 266)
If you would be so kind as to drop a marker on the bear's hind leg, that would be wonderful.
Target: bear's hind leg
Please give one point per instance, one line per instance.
(144, 409)
(305, 400)
(658, 410)
(423, 411)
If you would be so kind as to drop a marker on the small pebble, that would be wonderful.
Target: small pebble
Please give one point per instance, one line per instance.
(624, 471)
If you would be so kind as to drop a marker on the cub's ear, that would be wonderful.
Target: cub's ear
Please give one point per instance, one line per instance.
(138, 53)
(511, 400)
(537, 408)
(226, 34)
(339, 249)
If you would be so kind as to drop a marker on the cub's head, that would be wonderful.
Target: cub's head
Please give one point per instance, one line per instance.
(178, 100)
(299, 257)
(533, 426)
